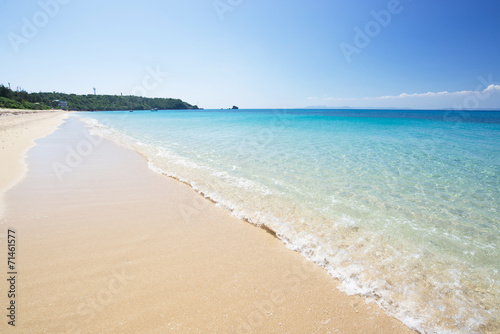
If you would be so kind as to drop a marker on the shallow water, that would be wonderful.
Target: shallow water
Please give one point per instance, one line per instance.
(401, 206)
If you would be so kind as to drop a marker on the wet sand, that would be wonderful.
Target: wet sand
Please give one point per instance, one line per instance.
(18, 130)
(104, 244)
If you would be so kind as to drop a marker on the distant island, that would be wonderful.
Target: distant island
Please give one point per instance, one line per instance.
(20, 99)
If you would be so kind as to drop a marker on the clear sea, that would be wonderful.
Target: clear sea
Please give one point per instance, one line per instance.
(401, 206)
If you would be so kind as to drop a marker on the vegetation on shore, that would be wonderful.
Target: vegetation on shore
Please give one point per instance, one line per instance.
(20, 99)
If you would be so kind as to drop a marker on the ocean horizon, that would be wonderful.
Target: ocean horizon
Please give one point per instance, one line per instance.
(400, 205)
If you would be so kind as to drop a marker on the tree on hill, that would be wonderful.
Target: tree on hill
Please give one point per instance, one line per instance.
(20, 99)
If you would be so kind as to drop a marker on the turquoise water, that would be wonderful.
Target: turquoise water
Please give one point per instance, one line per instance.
(401, 206)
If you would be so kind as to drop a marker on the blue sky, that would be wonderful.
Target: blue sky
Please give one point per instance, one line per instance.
(259, 53)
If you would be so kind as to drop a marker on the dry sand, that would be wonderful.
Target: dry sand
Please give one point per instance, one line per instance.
(110, 246)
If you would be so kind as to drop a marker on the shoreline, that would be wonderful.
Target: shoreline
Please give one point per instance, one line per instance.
(131, 250)
(19, 129)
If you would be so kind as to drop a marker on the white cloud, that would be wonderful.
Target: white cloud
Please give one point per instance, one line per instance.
(493, 87)
(488, 98)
